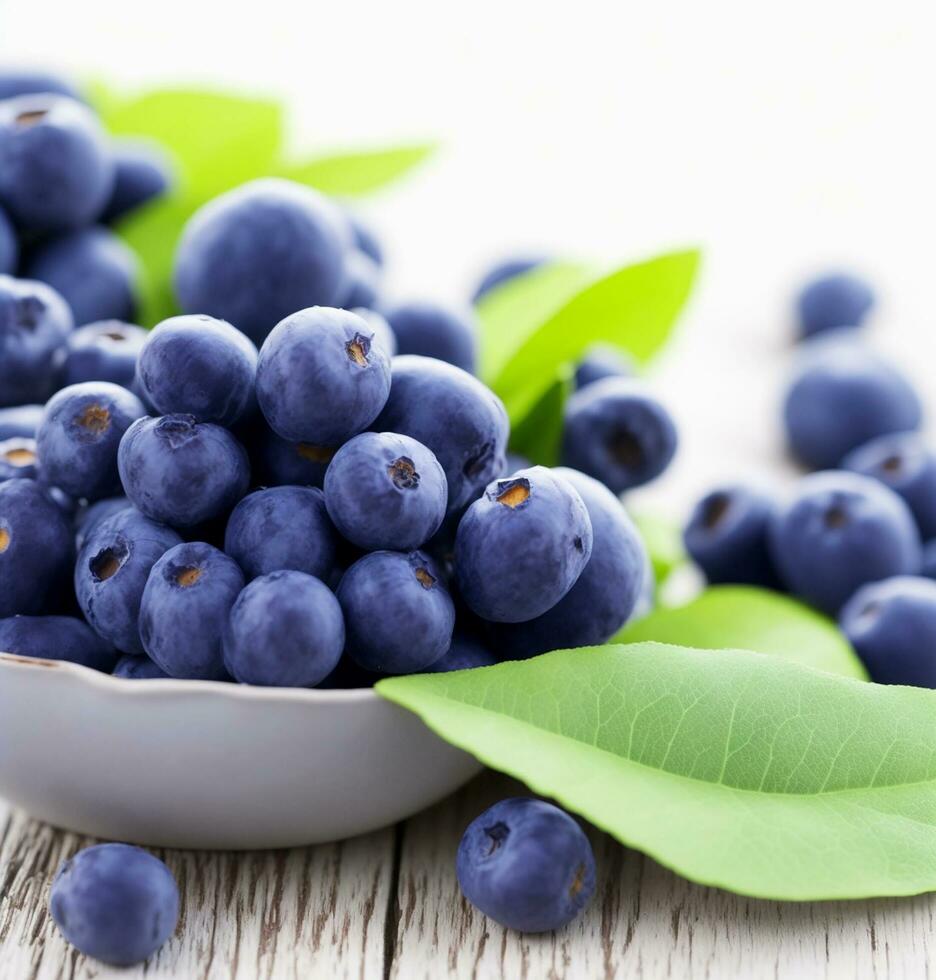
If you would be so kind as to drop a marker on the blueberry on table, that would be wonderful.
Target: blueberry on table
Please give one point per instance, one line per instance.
(142, 172)
(80, 434)
(36, 549)
(282, 528)
(9, 246)
(185, 607)
(111, 573)
(138, 669)
(727, 536)
(361, 285)
(25, 81)
(385, 492)
(322, 376)
(260, 252)
(18, 458)
(522, 546)
(182, 472)
(835, 300)
(103, 351)
(453, 414)
(527, 865)
(93, 271)
(115, 903)
(197, 365)
(505, 271)
(842, 396)
(617, 432)
(603, 362)
(398, 614)
(57, 638)
(434, 330)
(285, 630)
(839, 532)
(56, 171)
(20, 420)
(603, 597)
(892, 626)
(465, 653)
(34, 325)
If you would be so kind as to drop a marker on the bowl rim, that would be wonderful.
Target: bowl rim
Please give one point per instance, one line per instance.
(150, 687)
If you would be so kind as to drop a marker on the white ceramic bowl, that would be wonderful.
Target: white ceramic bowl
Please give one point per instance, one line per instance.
(199, 764)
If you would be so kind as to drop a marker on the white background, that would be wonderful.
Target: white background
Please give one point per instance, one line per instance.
(780, 137)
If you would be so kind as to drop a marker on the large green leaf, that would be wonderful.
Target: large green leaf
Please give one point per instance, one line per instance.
(735, 769)
(353, 174)
(746, 618)
(539, 435)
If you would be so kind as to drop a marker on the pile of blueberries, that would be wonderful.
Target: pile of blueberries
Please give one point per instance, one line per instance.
(857, 537)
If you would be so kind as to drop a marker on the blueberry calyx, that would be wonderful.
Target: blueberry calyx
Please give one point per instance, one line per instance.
(4, 539)
(20, 456)
(358, 347)
(716, 507)
(177, 430)
(30, 117)
(95, 419)
(478, 462)
(626, 448)
(403, 473)
(425, 578)
(498, 833)
(186, 577)
(29, 310)
(512, 493)
(836, 516)
(108, 561)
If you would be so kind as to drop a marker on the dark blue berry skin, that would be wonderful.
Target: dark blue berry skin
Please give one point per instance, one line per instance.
(452, 413)
(527, 865)
(361, 285)
(892, 626)
(281, 463)
(522, 546)
(322, 376)
(385, 492)
(93, 271)
(839, 532)
(185, 608)
(382, 330)
(434, 330)
(258, 253)
(617, 432)
(505, 271)
(727, 536)
(56, 171)
(182, 472)
(199, 366)
(115, 903)
(398, 614)
(111, 572)
(282, 528)
(365, 239)
(842, 396)
(80, 434)
(103, 351)
(9, 246)
(463, 654)
(141, 174)
(138, 669)
(89, 516)
(907, 465)
(600, 363)
(20, 81)
(20, 420)
(18, 459)
(57, 638)
(604, 595)
(36, 549)
(34, 325)
(832, 301)
(285, 630)
(928, 567)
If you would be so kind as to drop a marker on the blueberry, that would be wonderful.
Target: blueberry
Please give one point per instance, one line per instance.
(57, 638)
(142, 173)
(93, 271)
(103, 351)
(505, 271)
(180, 471)
(604, 595)
(282, 463)
(18, 458)
(839, 532)
(198, 366)
(398, 614)
(464, 654)
(842, 396)
(514, 462)
(603, 362)
(454, 415)
(522, 546)
(27, 81)
(382, 330)
(111, 572)
(361, 285)
(617, 432)
(527, 865)
(9, 246)
(322, 377)
(434, 330)
(138, 669)
(34, 325)
(260, 252)
(89, 516)
(385, 492)
(892, 626)
(727, 536)
(80, 435)
(36, 549)
(365, 239)
(185, 608)
(838, 299)
(928, 567)
(115, 903)
(56, 172)
(20, 420)
(285, 630)
(907, 465)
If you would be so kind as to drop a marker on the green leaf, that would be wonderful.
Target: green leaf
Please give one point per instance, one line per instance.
(663, 540)
(737, 770)
(539, 435)
(744, 618)
(352, 174)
